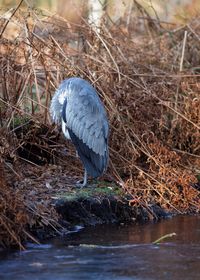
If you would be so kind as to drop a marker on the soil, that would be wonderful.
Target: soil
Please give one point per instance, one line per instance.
(96, 205)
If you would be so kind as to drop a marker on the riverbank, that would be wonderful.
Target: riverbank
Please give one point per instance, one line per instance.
(46, 203)
(147, 77)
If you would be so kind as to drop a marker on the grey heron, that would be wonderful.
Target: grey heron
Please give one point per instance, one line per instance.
(77, 107)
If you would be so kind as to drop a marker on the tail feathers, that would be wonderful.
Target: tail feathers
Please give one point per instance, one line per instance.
(95, 164)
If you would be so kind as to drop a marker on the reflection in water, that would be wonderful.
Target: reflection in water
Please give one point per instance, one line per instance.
(112, 252)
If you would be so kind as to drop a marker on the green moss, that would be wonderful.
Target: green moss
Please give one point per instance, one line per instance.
(99, 189)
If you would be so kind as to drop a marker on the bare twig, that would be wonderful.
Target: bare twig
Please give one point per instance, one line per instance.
(183, 51)
(12, 15)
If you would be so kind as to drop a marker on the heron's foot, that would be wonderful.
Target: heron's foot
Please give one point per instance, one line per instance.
(92, 183)
(81, 184)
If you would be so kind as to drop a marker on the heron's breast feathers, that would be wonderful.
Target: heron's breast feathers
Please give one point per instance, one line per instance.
(56, 106)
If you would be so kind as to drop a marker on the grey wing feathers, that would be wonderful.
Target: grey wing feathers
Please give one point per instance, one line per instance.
(94, 163)
(86, 117)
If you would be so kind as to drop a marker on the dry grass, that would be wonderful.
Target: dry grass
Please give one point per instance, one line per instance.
(149, 82)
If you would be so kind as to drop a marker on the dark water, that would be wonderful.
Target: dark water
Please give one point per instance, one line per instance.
(112, 252)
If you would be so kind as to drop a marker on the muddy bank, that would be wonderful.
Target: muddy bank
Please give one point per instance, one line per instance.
(110, 209)
(95, 206)
(45, 203)
(103, 205)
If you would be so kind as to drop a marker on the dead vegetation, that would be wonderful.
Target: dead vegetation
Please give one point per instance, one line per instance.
(149, 82)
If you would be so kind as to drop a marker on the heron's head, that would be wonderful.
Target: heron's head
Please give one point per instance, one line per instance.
(67, 88)
(57, 104)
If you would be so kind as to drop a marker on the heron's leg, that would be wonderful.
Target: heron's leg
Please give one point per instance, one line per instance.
(84, 184)
(85, 178)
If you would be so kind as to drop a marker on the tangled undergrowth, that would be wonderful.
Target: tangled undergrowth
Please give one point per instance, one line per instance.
(149, 82)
